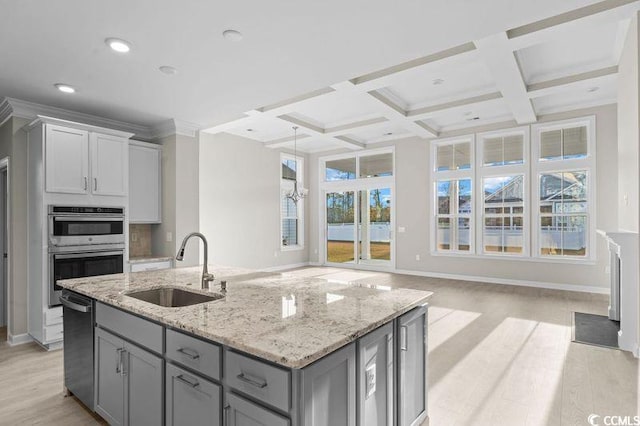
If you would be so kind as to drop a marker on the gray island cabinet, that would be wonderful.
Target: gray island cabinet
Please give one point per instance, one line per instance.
(272, 351)
(378, 380)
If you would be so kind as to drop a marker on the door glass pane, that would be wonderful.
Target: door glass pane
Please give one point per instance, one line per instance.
(344, 169)
(375, 226)
(563, 235)
(464, 196)
(376, 165)
(340, 227)
(464, 234)
(503, 221)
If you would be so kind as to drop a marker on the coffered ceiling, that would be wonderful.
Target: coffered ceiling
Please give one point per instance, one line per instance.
(565, 62)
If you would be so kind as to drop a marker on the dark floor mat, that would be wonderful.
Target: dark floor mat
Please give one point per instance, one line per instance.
(596, 330)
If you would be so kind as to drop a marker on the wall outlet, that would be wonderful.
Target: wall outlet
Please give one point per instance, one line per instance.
(169, 237)
(134, 236)
(625, 198)
(402, 229)
(276, 253)
(417, 257)
(607, 269)
(315, 251)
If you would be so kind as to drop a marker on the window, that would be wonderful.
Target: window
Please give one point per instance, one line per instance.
(564, 170)
(453, 201)
(342, 169)
(502, 167)
(291, 214)
(535, 186)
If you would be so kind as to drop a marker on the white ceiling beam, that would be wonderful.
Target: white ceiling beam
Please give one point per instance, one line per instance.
(338, 130)
(319, 132)
(433, 110)
(499, 57)
(282, 142)
(398, 115)
(559, 26)
(556, 85)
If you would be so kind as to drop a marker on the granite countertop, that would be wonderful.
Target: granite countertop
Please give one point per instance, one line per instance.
(292, 321)
(147, 259)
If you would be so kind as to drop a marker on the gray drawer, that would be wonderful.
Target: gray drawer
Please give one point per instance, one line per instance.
(190, 399)
(139, 331)
(196, 354)
(262, 381)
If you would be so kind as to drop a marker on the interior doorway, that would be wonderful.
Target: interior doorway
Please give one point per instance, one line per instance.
(4, 244)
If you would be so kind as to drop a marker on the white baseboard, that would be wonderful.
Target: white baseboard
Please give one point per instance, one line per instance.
(284, 267)
(18, 339)
(522, 283)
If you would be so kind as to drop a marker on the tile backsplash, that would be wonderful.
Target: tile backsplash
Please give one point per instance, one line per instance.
(139, 240)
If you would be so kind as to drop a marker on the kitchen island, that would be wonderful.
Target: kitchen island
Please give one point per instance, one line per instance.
(272, 349)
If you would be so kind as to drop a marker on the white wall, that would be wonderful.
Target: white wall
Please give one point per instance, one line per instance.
(240, 203)
(180, 203)
(413, 207)
(13, 143)
(629, 133)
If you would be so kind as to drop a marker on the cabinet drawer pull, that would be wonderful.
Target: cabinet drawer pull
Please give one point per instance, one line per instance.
(403, 338)
(252, 382)
(95, 184)
(119, 360)
(189, 352)
(85, 183)
(188, 382)
(225, 414)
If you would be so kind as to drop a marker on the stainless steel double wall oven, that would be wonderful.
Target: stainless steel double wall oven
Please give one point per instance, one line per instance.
(84, 242)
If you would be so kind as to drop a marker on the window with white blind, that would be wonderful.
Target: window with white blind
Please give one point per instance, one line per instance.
(534, 186)
(291, 214)
(452, 173)
(564, 175)
(503, 179)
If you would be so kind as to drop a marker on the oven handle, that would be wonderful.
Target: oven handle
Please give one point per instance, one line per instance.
(87, 254)
(64, 299)
(117, 218)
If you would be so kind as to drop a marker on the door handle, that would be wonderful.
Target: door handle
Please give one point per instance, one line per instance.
(403, 338)
(189, 352)
(257, 383)
(188, 382)
(86, 184)
(95, 184)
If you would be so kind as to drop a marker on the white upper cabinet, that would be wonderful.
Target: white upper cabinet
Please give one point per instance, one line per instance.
(67, 160)
(79, 160)
(109, 165)
(145, 180)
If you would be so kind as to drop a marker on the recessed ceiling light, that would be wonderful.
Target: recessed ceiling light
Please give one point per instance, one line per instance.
(438, 81)
(232, 35)
(169, 70)
(118, 45)
(388, 134)
(249, 130)
(473, 118)
(593, 89)
(64, 88)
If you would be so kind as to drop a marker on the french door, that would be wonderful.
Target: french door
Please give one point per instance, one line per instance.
(359, 227)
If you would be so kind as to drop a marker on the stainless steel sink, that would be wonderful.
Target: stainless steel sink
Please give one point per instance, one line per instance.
(169, 297)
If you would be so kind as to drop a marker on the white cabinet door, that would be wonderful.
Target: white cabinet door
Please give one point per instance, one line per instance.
(66, 160)
(109, 165)
(144, 183)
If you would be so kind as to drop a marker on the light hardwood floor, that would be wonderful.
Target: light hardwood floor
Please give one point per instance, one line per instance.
(498, 355)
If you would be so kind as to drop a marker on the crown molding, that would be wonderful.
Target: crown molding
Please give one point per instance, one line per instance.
(10, 107)
(174, 127)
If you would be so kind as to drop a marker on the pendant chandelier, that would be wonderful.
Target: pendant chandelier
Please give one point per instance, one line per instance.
(296, 194)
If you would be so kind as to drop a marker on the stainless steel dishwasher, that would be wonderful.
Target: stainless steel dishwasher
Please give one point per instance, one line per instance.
(78, 315)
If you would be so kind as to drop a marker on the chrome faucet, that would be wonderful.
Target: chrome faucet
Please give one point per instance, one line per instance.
(206, 276)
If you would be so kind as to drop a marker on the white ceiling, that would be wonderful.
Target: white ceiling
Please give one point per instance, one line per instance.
(289, 48)
(509, 76)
